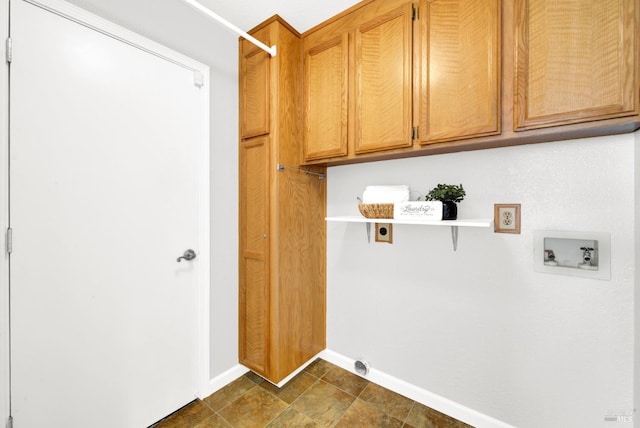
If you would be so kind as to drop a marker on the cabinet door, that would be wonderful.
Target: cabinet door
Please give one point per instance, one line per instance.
(326, 108)
(575, 61)
(254, 93)
(254, 257)
(460, 83)
(383, 81)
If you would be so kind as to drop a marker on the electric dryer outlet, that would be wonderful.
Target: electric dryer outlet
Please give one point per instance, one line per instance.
(384, 232)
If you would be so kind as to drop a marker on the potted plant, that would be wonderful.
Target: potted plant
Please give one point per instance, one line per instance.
(449, 195)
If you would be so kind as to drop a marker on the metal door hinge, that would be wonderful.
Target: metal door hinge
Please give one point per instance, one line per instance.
(9, 49)
(9, 240)
(415, 132)
(415, 14)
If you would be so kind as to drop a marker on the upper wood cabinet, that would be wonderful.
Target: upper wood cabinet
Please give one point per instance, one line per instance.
(383, 81)
(459, 94)
(576, 61)
(388, 79)
(254, 88)
(388, 76)
(326, 109)
(358, 82)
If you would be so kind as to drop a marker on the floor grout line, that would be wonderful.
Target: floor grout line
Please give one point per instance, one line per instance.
(327, 375)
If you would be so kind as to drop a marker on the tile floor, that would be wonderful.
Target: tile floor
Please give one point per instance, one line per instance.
(322, 395)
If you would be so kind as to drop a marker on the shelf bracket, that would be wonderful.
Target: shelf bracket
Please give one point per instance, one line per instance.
(454, 237)
(368, 225)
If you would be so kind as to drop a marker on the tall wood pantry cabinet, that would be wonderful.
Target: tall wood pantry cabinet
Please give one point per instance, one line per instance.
(281, 213)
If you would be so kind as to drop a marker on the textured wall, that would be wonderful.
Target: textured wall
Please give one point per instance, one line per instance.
(479, 326)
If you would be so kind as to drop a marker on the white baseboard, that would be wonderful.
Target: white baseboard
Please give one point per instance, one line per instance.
(224, 379)
(378, 377)
(415, 393)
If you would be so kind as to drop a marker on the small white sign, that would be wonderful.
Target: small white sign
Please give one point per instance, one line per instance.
(418, 210)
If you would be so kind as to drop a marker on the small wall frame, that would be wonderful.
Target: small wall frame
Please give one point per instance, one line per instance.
(506, 218)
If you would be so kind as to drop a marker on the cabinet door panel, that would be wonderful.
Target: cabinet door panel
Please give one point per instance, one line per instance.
(383, 86)
(574, 61)
(326, 108)
(253, 280)
(461, 82)
(254, 96)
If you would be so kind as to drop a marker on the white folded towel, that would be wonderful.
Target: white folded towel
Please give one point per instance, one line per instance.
(385, 194)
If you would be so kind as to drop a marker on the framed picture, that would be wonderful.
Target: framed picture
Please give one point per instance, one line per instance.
(506, 218)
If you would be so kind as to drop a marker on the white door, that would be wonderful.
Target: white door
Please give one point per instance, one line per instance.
(104, 141)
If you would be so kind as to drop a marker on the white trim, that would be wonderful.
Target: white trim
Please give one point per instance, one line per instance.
(204, 277)
(415, 393)
(89, 20)
(224, 379)
(293, 374)
(5, 403)
(107, 28)
(236, 371)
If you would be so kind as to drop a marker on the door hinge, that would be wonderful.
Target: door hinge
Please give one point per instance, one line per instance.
(415, 132)
(10, 422)
(415, 14)
(9, 241)
(9, 49)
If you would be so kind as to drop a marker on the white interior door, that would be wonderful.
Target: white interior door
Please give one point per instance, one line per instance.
(104, 197)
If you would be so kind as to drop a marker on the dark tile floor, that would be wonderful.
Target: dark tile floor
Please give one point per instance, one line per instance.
(322, 395)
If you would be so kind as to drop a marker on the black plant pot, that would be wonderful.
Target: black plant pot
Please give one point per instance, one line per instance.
(449, 210)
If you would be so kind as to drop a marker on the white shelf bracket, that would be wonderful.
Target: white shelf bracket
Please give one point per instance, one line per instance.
(454, 237)
(368, 225)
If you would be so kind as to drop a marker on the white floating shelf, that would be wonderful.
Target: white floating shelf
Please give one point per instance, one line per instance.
(454, 224)
(479, 222)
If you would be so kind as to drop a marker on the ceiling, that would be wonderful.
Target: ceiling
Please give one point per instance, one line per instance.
(301, 14)
(181, 27)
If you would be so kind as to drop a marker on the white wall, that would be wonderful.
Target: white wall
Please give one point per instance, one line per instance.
(479, 326)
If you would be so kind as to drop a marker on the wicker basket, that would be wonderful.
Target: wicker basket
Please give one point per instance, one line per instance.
(376, 210)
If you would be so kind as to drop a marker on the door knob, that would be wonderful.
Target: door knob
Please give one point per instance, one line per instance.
(188, 255)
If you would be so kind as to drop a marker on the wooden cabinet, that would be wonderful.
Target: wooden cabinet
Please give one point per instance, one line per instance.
(254, 87)
(459, 93)
(388, 79)
(576, 61)
(326, 109)
(281, 214)
(358, 82)
(254, 252)
(386, 74)
(383, 81)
